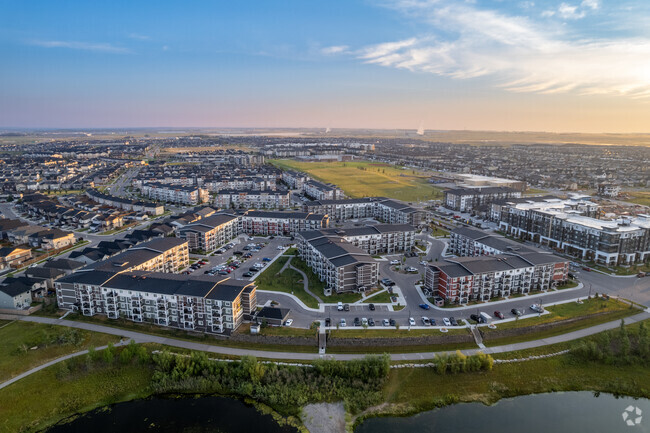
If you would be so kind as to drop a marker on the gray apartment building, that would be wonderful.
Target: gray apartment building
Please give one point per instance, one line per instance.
(342, 266)
(195, 303)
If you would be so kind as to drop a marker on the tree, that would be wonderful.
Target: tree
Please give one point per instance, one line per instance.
(644, 341)
(625, 340)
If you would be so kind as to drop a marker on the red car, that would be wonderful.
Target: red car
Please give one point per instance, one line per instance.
(498, 314)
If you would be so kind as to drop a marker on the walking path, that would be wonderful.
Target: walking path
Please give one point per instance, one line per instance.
(234, 351)
(305, 283)
(54, 361)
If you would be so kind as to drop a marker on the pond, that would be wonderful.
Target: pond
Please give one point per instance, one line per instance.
(568, 412)
(185, 415)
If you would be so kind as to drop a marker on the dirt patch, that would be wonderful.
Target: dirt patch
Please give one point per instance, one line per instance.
(324, 417)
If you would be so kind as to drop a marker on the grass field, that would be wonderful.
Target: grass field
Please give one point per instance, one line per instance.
(611, 310)
(25, 345)
(47, 396)
(639, 197)
(380, 298)
(288, 281)
(367, 179)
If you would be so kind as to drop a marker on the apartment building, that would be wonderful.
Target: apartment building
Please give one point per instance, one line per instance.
(156, 255)
(607, 189)
(195, 303)
(267, 223)
(183, 194)
(125, 203)
(208, 234)
(378, 239)
(253, 199)
(622, 241)
(294, 179)
(342, 266)
(322, 191)
(464, 279)
(470, 199)
(386, 210)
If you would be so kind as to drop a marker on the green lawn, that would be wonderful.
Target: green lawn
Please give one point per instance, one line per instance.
(402, 332)
(288, 281)
(418, 389)
(25, 345)
(47, 396)
(149, 328)
(612, 309)
(368, 179)
(380, 298)
(638, 197)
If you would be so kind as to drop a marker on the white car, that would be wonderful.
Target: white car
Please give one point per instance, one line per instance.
(411, 321)
(537, 308)
(385, 322)
(411, 269)
(289, 322)
(364, 321)
(280, 247)
(340, 306)
(394, 262)
(343, 323)
(446, 321)
(424, 262)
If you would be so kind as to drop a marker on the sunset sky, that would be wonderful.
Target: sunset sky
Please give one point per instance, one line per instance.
(571, 65)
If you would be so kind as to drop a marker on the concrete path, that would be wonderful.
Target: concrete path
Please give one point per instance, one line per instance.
(305, 283)
(54, 361)
(146, 338)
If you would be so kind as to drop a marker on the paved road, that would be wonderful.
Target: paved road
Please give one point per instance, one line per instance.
(146, 338)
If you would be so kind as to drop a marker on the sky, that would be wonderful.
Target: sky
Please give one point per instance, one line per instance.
(559, 66)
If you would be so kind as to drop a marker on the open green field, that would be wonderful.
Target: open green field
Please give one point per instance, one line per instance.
(289, 281)
(379, 298)
(59, 391)
(25, 345)
(368, 179)
(592, 312)
(639, 197)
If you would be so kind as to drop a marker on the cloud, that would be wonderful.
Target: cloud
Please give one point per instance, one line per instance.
(336, 49)
(139, 37)
(84, 46)
(573, 12)
(519, 54)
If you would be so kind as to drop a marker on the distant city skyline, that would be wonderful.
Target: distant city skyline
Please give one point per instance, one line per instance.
(557, 66)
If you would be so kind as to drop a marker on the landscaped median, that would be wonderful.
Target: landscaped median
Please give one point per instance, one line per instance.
(562, 318)
(360, 340)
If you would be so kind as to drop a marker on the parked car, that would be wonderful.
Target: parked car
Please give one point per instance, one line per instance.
(453, 321)
(537, 308)
(391, 322)
(372, 307)
(289, 322)
(411, 270)
(424, 262)
(411, 321)
(424, 306)
(364, 321)
(247, 274)
(426, 321)
(474, 317)
(346, 307)
(238, 253)
(446, 321)
(357, 321)
(340, 306)
(394, 262)
(328, 322)
(253, 269)
(266, 259)
(499, 314)
(371, 321)
(516, 312)
(280, 247)
(385, 322)
(343, 323)
(433, 321)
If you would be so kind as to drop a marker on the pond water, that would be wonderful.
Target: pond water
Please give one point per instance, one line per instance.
(568, 412)
(185, 415)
